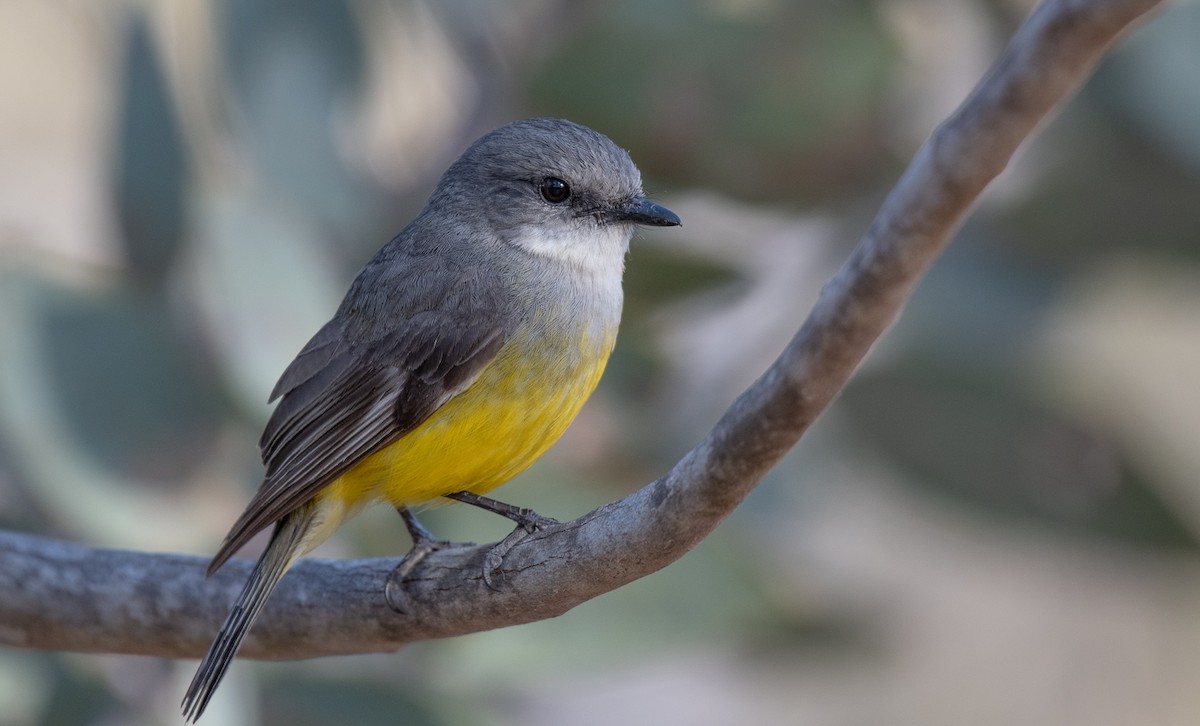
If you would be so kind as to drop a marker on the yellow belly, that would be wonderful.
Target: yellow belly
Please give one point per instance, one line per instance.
(517, 408)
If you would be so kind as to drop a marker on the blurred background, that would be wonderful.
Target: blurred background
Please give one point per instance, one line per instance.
(995, 524)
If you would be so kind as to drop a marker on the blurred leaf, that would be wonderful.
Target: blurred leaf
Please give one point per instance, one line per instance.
(264, 281)
(1107, 193)
(310, 702)
(1155, 81)
(79, 698)
(792, 636)
(656, 276)
(985, 444)
(26, 683)
(295, 66)
(715, 589)
(979, 305)
(251, 25)
(151, 164)
(761, 100)
(128, 383)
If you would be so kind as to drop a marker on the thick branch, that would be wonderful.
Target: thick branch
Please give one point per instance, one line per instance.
(68, 597)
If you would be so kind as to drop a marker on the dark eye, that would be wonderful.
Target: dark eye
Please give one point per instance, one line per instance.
(555, 190)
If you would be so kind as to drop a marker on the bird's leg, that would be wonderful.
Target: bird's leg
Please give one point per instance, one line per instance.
(424, 543)
(527, 519)
(421, 537)
(528, 522)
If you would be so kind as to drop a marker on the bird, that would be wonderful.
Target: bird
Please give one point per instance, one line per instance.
(461, 352)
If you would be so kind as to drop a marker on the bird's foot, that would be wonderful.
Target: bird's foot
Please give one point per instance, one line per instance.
(528, 522)
(424, 544)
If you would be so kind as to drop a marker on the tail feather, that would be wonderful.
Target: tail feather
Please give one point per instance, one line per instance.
(281, 553)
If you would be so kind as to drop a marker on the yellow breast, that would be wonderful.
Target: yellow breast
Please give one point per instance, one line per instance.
(517, 408)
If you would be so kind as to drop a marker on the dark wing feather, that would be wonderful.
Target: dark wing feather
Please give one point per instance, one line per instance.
(313, 358)
(350, 393)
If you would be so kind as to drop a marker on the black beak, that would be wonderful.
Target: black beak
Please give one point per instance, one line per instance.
(640, 210)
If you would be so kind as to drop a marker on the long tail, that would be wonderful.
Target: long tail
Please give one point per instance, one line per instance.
(283, 550)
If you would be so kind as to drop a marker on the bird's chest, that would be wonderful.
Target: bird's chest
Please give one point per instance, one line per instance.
(519, 406)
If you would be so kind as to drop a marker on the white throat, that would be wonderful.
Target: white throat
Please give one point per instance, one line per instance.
(599, 251)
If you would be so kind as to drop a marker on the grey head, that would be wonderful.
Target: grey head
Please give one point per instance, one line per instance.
(551, 187)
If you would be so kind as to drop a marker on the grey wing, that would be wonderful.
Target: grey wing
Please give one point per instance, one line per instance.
(341, 402)
(313, 358)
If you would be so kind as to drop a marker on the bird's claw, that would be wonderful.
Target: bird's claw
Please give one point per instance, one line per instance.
(394, 590)
(493, 562)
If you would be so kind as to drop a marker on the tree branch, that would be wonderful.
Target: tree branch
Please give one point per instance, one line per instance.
(60, 596)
